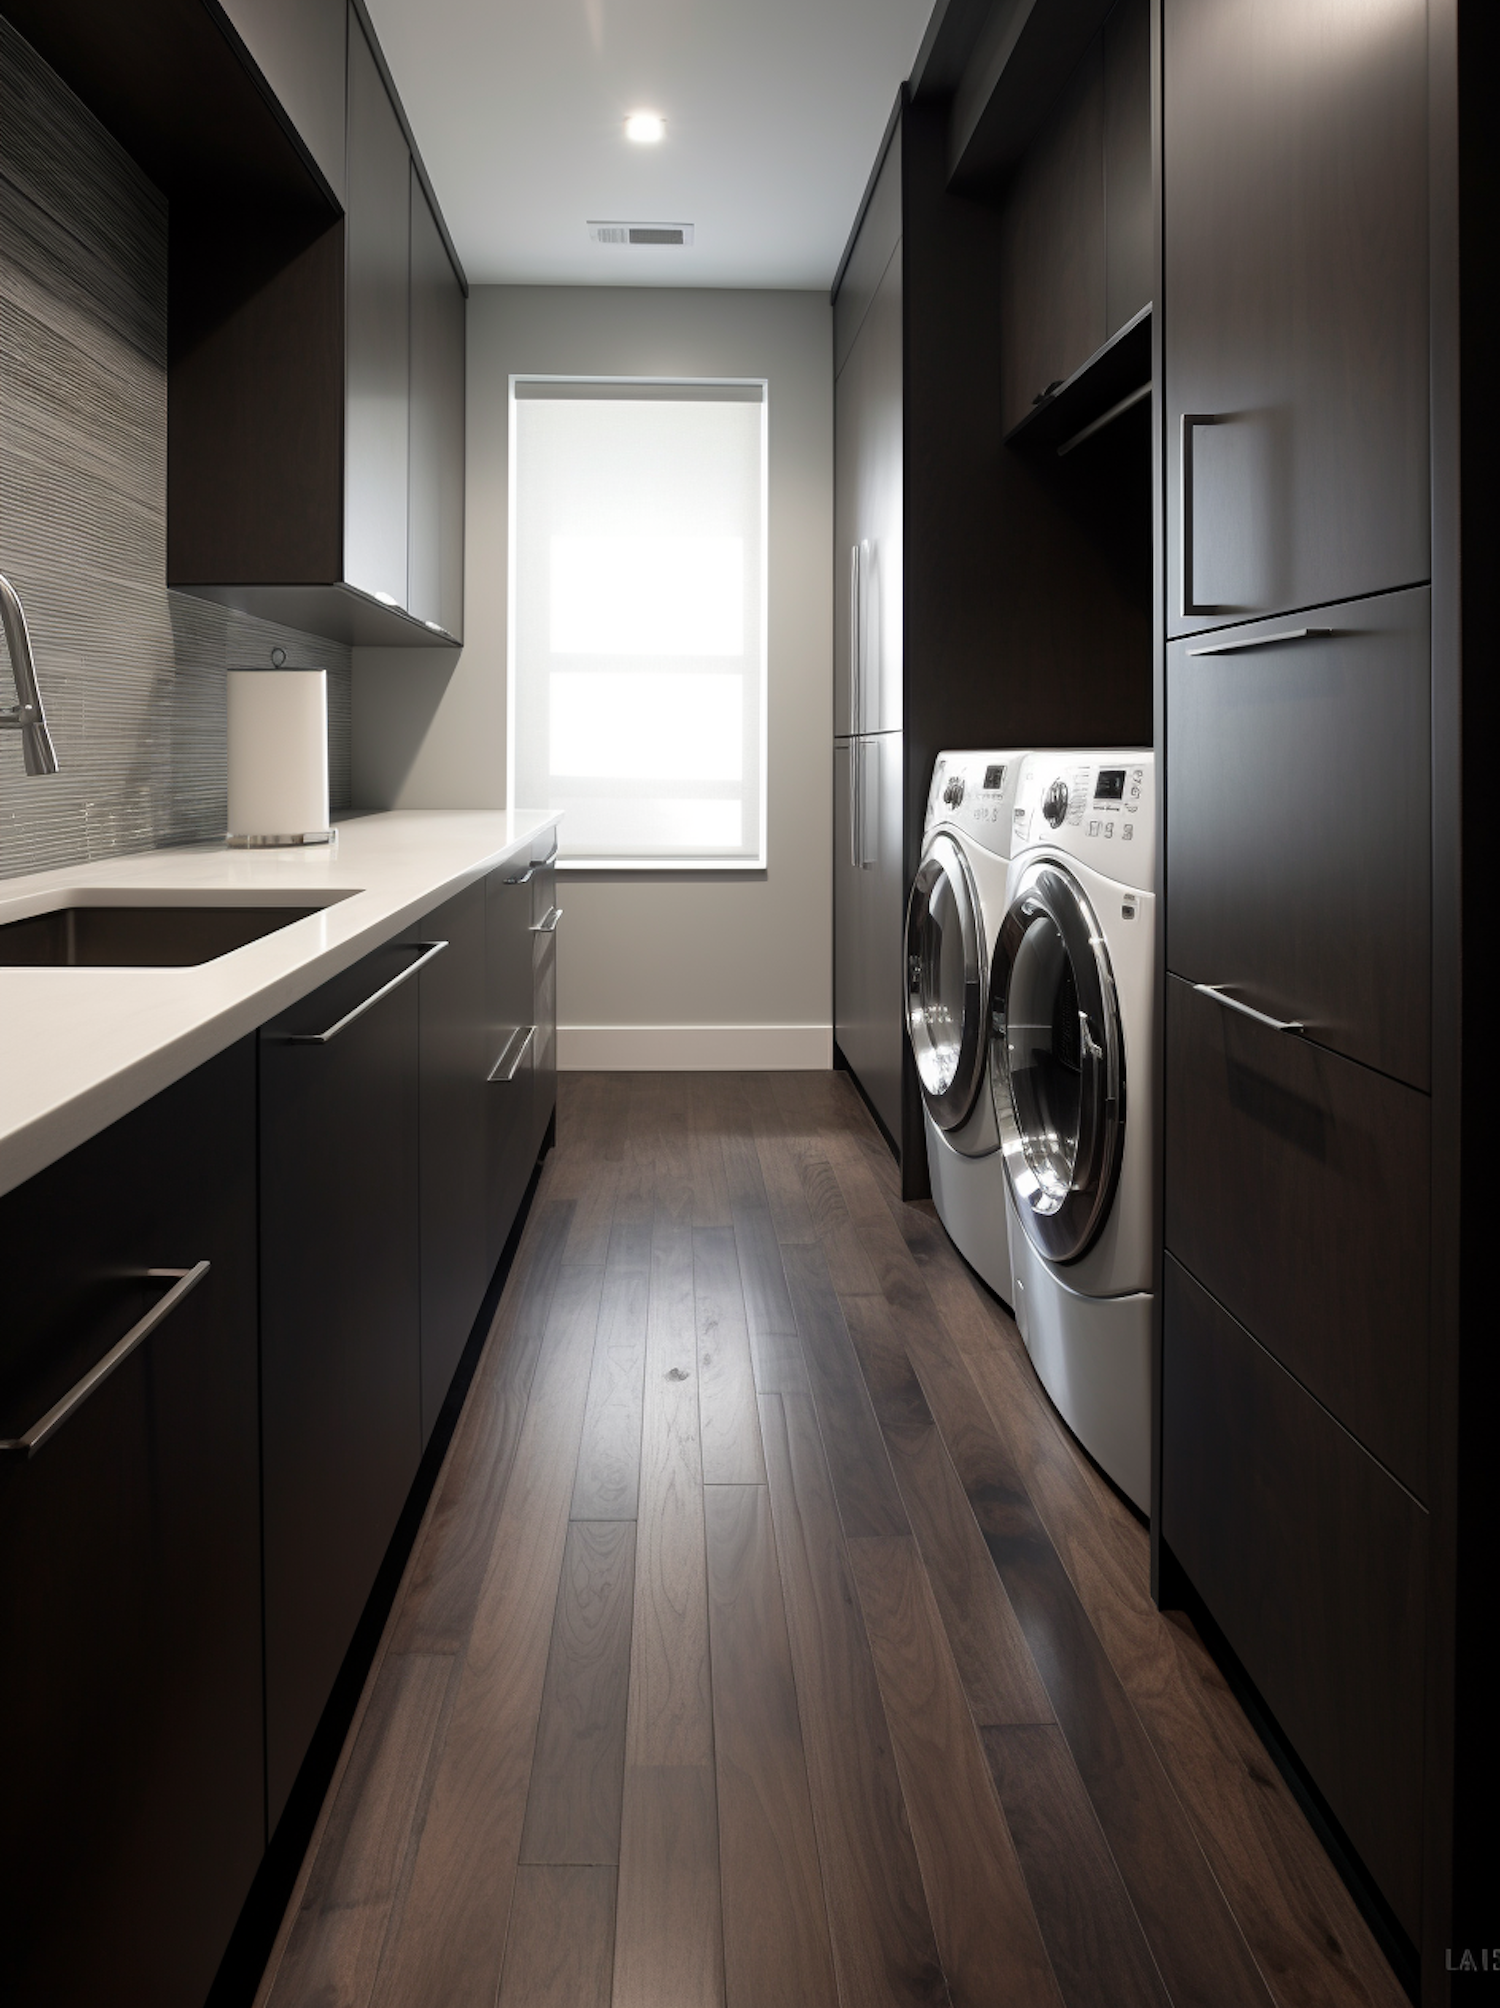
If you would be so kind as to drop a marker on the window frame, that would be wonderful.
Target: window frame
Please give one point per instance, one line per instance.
(642, 385)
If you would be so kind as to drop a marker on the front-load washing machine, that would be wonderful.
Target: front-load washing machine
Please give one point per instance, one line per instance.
(952, 917)
(1072, 983)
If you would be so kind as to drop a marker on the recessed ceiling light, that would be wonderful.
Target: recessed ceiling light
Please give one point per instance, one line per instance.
(646, 128)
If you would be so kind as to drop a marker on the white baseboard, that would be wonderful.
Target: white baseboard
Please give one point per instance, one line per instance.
(614, 1049)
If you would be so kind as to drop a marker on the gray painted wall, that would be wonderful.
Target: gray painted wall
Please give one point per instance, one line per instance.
(743, 958)
(132, 675)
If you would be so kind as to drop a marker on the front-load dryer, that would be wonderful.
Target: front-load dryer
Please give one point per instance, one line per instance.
(1072, 985)
(956, 906)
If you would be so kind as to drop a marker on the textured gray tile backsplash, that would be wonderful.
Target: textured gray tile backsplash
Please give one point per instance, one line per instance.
(132, 675)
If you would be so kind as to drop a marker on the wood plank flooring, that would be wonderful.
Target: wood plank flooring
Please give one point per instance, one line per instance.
(769, 1643)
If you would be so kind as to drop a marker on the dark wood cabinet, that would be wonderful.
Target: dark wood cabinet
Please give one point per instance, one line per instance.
(454, 1139)
(435, 554)
(1299, 847)
(130, 1683)
(341, 1381)
(546, 917)
(1076, 251)
(1314, 1563)
(511, 1033)
(1295, 181)
(377, 334)
(299, 48)
(1290, 1175)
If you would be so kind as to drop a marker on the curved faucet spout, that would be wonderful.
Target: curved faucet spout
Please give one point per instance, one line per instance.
(29, 715)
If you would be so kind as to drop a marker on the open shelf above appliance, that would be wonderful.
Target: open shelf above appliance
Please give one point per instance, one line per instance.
(1113, 381)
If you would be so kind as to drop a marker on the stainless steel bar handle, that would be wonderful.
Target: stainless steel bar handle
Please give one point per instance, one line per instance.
(429, 950)
(509, 1063)
(1191, 420)
(187, 1280)
(1262, 641)
(1219, 995)
(525, 877)
(548, 922)
(856, 695)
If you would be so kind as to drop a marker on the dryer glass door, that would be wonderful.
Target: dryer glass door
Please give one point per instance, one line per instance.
(1058, 1062)
(945, 983)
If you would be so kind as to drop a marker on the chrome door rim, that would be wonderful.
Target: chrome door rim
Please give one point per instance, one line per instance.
(1064, 1225)
(949, 1102)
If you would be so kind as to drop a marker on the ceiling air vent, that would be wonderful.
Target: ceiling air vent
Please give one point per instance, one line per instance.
(641, 233)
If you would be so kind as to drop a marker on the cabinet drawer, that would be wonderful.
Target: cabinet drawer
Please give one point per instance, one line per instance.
(1296, 1188)
(1298, 856)
(1313, 1562)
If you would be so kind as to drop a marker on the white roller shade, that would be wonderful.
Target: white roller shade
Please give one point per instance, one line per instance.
(638, 615)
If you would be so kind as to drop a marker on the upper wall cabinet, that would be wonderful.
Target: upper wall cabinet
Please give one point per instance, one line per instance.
(378, 334)
(435, 532)
(1296, 289)
(299, 48)
(315, 438)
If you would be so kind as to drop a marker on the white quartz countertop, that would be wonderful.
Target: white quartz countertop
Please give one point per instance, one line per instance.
(81, 1047)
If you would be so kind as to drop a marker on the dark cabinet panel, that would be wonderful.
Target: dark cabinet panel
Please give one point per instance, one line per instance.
(1298, 857)
(1295, 1189)
(1313, 1561)
(436, 553)
(1052, 256)
(511, 1033)
(377, 333)
(130, 1682)
(546, 917)
(454, 1146)
(1296, 284)
(869, 892)
(879, 234)
(340, 1326)
(298, 46)
(869, 512)
(1128, 248)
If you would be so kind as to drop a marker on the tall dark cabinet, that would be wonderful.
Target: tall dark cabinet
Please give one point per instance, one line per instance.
(974, 604)
(1320, 1499)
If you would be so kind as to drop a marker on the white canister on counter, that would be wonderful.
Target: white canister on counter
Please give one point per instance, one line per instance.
(278, 755)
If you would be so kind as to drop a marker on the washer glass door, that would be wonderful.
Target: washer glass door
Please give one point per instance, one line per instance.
(1058, 1063)
(945, 983)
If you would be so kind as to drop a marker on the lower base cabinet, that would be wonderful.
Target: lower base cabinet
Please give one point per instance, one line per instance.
(341, 1395)
(130, 1676)
(300, 1234)
(1312, 1560)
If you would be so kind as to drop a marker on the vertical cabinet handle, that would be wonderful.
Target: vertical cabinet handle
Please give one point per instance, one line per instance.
(186, 1280)
(1191, 420)
(856, 708)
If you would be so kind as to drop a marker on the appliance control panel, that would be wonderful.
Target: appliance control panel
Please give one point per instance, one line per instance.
(975, 793)
(1097, 807)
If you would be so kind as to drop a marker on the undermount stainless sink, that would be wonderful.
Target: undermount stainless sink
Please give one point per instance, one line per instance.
(139, 937)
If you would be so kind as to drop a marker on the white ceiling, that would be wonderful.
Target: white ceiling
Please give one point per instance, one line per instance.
(774, 110)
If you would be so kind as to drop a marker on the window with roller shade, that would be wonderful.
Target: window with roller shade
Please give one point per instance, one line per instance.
(638, 618)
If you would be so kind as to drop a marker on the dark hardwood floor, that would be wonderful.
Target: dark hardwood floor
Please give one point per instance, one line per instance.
(770, 1643)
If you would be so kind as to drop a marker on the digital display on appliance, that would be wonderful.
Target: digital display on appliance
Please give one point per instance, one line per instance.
(994, 777)
(1111, 786)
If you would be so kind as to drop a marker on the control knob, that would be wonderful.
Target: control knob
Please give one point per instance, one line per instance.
(1055, 802)
(953, 794)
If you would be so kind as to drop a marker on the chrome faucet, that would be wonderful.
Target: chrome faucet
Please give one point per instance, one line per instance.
(29, 715)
